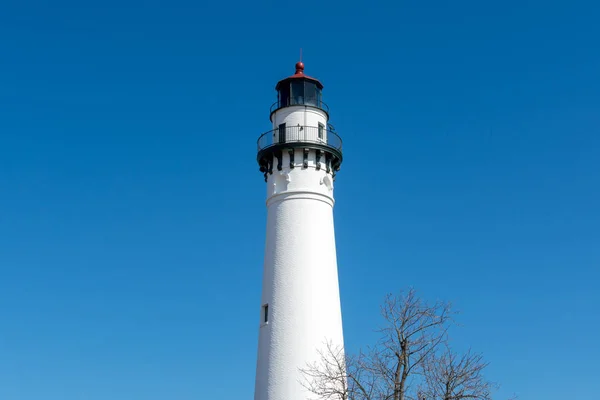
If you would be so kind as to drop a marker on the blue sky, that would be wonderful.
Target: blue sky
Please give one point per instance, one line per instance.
(132, 210)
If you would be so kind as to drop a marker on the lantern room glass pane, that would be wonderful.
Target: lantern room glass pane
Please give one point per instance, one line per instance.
(298, 92)
(310, 93)
(284, 96)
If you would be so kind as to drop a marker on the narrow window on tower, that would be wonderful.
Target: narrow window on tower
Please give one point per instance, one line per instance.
(265, 313)
(321, 129)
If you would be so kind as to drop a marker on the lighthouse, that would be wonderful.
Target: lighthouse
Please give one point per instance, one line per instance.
(300, 304)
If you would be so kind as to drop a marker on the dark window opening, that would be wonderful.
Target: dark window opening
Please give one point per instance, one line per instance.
(265, 313)
(321, 129)
(281, 133)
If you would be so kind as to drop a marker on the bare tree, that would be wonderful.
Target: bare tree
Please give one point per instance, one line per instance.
(336, 376)
(449, 376)
(328, 377)
(411, 332)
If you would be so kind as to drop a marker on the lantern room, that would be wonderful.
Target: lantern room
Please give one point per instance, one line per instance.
(299, 90)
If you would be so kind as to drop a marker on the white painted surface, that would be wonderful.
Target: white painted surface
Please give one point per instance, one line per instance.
(300, 277)
(299, 115)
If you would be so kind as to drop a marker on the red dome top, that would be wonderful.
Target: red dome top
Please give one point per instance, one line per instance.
(299, 75)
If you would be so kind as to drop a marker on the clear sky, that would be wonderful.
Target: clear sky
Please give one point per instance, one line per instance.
(132, 214)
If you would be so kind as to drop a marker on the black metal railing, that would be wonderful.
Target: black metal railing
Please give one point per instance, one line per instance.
(300, 134)
(300, 101)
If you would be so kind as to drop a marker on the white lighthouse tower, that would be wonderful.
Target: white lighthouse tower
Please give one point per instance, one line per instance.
(300, 304)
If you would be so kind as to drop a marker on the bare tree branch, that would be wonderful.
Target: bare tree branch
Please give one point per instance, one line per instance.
(327, 377)
(449, 376)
